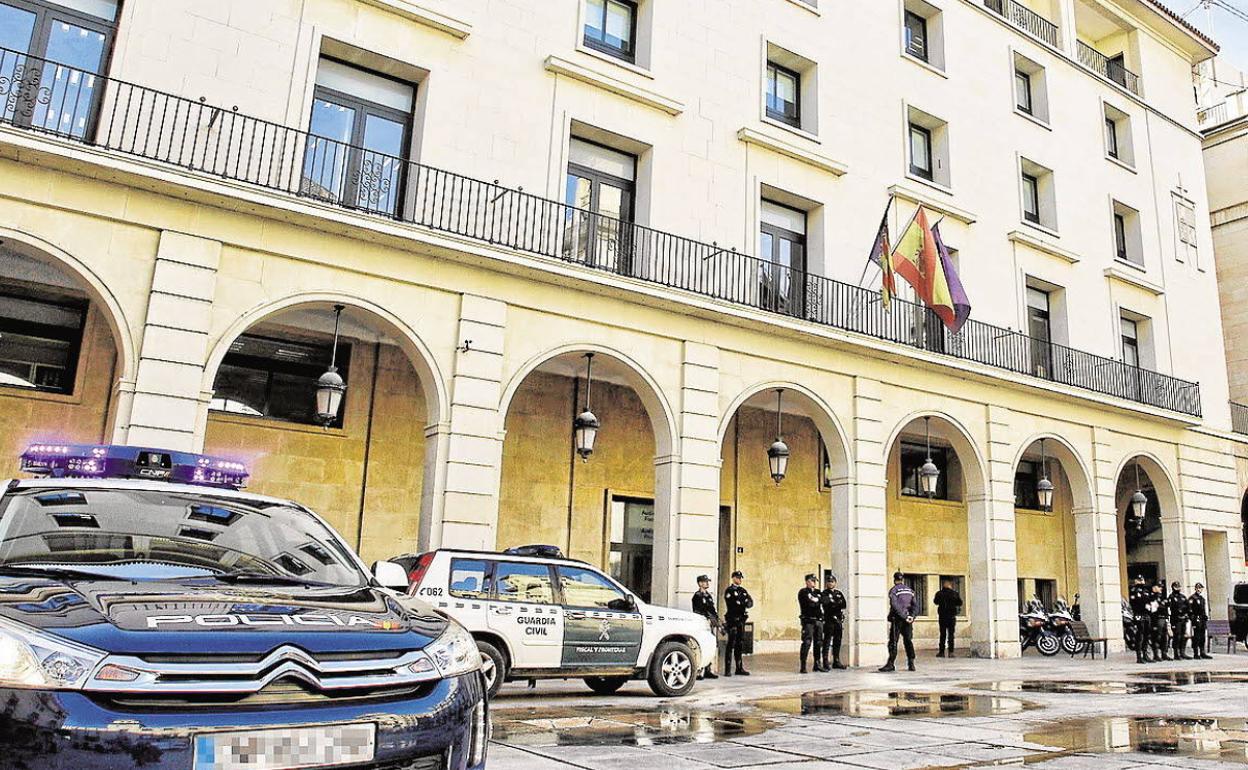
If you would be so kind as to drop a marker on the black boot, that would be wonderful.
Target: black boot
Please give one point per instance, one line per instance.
(837, 664)
(741, 669)
(887, 667)
(910, 665)
(707, 673)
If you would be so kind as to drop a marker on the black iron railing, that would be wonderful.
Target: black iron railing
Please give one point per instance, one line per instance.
(1027, 20)
(157, 126)
(1110, 68)
(1239, 418)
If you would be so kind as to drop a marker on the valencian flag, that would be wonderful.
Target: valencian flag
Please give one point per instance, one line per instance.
(881, 254)
(922, 259)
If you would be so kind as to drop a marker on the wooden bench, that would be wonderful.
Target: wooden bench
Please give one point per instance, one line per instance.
(1089, 642)
(1222, 628)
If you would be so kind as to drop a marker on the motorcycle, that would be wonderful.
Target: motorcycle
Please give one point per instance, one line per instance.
(1061, 623)
(1034, 630)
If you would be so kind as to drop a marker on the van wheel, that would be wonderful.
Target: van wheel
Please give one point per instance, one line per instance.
(493, 667)
(605, 685)
(671, 670)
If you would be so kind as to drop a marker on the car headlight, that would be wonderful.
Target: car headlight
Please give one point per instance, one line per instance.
(455, 651)
(29, 658)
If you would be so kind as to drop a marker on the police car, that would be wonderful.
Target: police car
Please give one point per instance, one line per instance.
(537, 615)
(153, 615)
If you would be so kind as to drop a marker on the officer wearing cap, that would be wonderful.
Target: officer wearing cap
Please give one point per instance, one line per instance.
(810, 613)
(704, 605)
(1177, 604)
(737, 604)
(1140, 598)
(903, 605)
(1198, 613)
(834, 606)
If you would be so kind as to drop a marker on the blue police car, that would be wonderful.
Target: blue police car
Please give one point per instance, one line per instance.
(154, 615)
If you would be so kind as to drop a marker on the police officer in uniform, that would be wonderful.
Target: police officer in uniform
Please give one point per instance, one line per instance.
(704, 605)
(834, 606)
(903, 605)
(1177, 603)
(737, 604)
(1139, 599)
(1198, 613)
(810, 613)
(1161, 622)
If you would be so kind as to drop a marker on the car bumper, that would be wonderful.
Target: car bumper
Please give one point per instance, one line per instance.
(69, 730)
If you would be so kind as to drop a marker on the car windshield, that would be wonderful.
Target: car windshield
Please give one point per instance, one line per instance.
(158, 535)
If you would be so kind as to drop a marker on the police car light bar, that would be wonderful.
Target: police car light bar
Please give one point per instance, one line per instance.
(128, 462)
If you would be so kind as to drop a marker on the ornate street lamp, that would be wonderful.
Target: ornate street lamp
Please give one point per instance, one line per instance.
(585, 426)
(1044, 487)
(778, 452)
(1139, 501)
(929, 474)
(331, 387)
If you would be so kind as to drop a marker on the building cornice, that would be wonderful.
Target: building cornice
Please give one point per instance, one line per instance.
(566, 67)
(456, 28)
(791, 150)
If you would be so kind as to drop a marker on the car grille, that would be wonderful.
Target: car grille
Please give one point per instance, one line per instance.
(283, 692)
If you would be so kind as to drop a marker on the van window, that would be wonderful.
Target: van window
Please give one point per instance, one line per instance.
(470, 579)
(586, 588)
(519, 582)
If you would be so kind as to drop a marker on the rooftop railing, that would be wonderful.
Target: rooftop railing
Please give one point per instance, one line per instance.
(1027, 20)
(70, 104)
(1108, 67)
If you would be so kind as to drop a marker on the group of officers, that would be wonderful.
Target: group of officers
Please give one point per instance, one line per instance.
(1162, 621)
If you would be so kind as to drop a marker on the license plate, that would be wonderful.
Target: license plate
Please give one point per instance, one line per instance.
(287, 748)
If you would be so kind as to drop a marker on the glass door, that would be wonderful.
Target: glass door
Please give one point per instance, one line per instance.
(631, 557)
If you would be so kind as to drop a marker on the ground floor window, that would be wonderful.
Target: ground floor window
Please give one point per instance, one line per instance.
(631, 559)
(267, 377)
(918, 584)
(40, 339)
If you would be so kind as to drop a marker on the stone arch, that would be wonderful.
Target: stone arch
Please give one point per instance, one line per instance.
(1077, 470)
(830, 427)
(1173, 561)
(959, 437)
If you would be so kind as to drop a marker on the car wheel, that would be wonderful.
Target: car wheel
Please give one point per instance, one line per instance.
(671, 670)
(1048, 644)
(493, 667)
(605, 685)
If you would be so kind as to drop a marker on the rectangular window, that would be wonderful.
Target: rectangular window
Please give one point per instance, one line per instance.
(584, 588)
(1025, 480)
(599, 189)
(913, 457)
(782, 259)
(523, 582)
(784, 88)
(611, 26)
(40, 339)
(1185, 225)
(1130, 341)
(1031, 198)
(1046, 592)
(916, 36)
(920, 151)
(1022, 91)
(1111, 137)
(631, 559)
(957, 582)
(265, 377)
(918, 584)
(470, 579)
(1039, 329)
(1120, 236)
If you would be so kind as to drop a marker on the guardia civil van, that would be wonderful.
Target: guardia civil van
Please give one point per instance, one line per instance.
(537, 615)
(154, 615)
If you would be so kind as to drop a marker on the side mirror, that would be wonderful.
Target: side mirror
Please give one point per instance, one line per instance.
(390, 575)
(632, 603)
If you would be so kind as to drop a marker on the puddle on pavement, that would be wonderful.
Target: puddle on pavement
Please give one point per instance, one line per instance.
(870, 703)
(621, 727)
(1185, 678)
(1073, 687)
(1219, 739)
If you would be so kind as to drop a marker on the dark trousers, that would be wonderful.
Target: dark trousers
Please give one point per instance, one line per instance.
(832, 631)
(1200, 637)
(1161, 638)
(1143, 637)
(900, 629)
(735, 631)
(812, 636)
(1178, 630)
(948, 627)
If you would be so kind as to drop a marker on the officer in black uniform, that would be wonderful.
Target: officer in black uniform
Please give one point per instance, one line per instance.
(810, 612)
(704, 605)
(1140, 598)
(1177, 603)
(834, 606)
(1198, 613)
(1161, 622)
(737, 604)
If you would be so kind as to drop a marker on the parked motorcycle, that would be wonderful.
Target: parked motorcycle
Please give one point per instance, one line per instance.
(1034, 630)
(1061, 623)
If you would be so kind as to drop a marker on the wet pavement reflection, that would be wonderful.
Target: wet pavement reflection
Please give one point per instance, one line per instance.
(1070, 687)
(1220, 739)
(870, 703)
(622, 727)
(1185, 678)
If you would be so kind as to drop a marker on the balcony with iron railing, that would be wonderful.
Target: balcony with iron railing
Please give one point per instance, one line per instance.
(1239, 418)
(1109, 67)
(71, 105)
(1027, 20)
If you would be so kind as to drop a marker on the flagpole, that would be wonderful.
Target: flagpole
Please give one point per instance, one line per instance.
(888, 207)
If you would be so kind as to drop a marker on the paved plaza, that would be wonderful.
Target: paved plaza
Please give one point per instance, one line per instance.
(1051, 713)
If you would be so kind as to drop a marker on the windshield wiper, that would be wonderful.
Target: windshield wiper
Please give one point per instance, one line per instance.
(249, 576)
(70, 573)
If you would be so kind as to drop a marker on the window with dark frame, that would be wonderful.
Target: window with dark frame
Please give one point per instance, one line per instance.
(1130, 341)
(1120, 236)
(40, 341)
(1111, 137)
(921, 151)
(1025, 479)
(913, 456)
(1039, 329)
(784, 88)
(1031, 198)
(916, 36)
(611, 27)
(1046, 592)
(918, 584)
(600, 191)
(782, 260)
(276, 378)
(81, 42)
(1022, 91)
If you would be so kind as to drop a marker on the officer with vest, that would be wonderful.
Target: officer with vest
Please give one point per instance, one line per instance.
(810, 613)
(1198, 613)
(834, 606)
(1139, 600)
(1161, 622)
(737, 604)
(704, 605)
(903, 606)
(1177, 604)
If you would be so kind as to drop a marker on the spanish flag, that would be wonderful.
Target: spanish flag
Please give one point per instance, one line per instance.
(922, 259)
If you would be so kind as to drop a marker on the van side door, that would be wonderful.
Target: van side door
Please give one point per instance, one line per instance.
(524, 612)
(601, 625)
